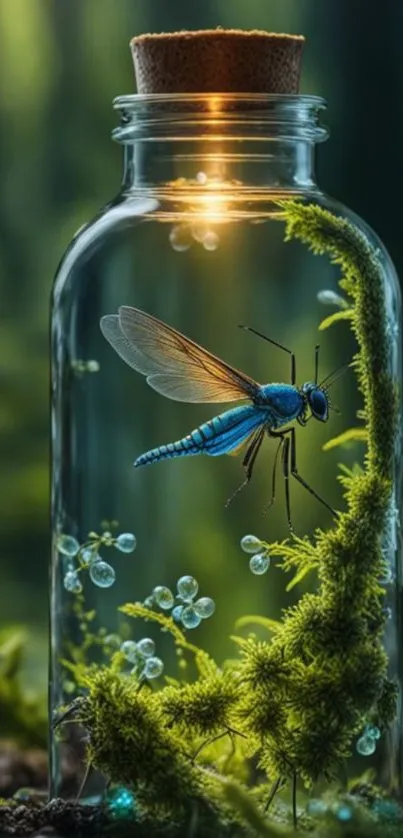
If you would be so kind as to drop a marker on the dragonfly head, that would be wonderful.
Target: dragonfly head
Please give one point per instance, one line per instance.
(317, 400)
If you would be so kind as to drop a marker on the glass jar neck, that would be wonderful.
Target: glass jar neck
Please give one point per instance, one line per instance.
(273, 164)
(199, 142)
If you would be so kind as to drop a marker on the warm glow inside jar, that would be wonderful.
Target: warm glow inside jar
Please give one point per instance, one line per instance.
(191, 662)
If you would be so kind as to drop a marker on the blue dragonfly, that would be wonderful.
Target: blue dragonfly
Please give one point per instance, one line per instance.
(180, 369)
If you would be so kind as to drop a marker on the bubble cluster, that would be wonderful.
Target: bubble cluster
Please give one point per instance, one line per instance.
(184, 606)
(86, 557)
(366, 744)
(260, 559)
(142, 656)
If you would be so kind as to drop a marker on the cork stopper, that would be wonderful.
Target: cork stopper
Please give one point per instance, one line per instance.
(217, 61)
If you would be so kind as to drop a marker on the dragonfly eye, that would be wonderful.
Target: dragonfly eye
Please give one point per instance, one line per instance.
(318, 402)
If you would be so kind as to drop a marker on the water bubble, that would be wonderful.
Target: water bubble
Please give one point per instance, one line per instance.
(259, 564)
(120, 801)
(180, 238)
(153, 668)
(204, 607)
(330, 298)
(373, 732)
(250, 544)
(88, 555)
(387, 612)
(92, 366)
(68, 545)
(177, 613)
(126, 542)
(202, 178)
(163, 597)
(112, 640)
(190, 618)
(149, 602)
(129, 650)
(102, 574)
(316, 807)
(146, 647)
(187, 588)
(366, 745)
(72, 582)
(211, 240)
(343, 812)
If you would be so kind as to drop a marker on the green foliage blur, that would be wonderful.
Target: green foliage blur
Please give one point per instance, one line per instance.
(61, 64)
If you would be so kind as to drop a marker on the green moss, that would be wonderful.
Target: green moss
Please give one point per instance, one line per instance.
(290, 706)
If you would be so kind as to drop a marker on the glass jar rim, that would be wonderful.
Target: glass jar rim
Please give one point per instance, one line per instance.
(146, 117)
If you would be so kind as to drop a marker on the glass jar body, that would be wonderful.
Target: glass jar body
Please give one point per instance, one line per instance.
(131, 537)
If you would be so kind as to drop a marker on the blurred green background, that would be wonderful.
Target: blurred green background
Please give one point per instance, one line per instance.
(61, 64)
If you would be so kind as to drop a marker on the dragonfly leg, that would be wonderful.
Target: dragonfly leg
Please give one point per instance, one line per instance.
(294, 472)
(248, 462)
(273, 477)
(286, 472)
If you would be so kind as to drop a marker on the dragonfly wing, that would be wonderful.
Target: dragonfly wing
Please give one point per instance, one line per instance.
(111, 330)
(175, 366)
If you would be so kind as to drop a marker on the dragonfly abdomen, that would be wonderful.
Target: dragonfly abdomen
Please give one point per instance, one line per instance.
(183, 447)
(219, 435)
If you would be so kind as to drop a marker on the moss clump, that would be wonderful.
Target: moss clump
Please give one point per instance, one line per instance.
(298, 700)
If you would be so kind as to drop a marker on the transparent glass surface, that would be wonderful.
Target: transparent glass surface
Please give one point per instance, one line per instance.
(197, 240)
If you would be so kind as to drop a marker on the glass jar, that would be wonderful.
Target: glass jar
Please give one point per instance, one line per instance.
(211, 646)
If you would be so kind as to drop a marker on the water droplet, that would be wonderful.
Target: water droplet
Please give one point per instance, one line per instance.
(120, 801)
(102, 574)
(163, 597)
(366, 746)
(187, 588)
(72, 582)
(330, 298)
(129, 650)
(88, 555)
(149, 602)
(211, 241)
(204, 607)
(343, 812)
(68, 545)
(126, 542)
(316, 807)
(180, 238)
(250, 544)
(112, 640)
(146, 647)
(190, 618)
(177, 613)
(372, 731)
(259, 564)
(153, 668)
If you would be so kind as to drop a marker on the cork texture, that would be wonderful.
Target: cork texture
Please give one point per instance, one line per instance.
(217, 61)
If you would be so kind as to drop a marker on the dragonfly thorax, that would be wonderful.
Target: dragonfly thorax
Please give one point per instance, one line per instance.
(317, 400)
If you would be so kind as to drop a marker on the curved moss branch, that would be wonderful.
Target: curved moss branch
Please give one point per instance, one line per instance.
(329, 650)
